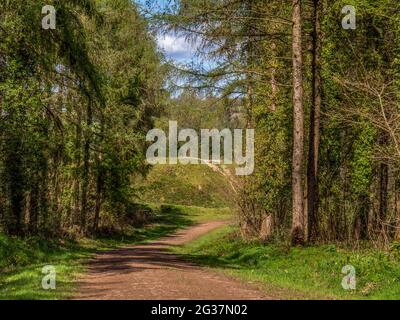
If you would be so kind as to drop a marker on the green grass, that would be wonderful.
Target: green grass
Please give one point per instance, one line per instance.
(299, 273)
(193, 185)
(200, 214)
(22, 260)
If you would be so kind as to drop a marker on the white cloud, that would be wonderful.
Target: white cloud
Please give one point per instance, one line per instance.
(176, 47)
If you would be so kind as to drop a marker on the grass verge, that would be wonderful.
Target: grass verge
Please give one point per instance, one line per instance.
(298, 273)
(22, 260)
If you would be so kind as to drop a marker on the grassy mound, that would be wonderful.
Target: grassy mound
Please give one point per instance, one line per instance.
(190, 185)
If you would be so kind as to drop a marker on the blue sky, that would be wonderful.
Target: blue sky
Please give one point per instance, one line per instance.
(174, 46)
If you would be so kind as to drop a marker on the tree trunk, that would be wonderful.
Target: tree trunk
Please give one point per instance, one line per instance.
(298, 129)
(99, 193)
(86, 167)
(383, 196)
(77, 159)
(274, 84)
(362, 221)
(315, 116)
(99, 196)
(396, 205)
(34, 208)
(15, 178)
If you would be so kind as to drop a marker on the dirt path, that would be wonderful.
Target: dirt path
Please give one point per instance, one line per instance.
(150, 272)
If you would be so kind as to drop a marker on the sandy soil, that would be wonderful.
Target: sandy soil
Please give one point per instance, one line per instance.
(151, 272)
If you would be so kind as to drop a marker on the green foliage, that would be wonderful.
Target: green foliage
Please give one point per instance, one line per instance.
(72, 124)
(196, 112)
(299, 273)
(193, 185)
(76, 103)
(22, 260)
(250, 45)
(362, 162)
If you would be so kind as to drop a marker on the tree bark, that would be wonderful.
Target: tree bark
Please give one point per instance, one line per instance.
(75, 218)
(397, 232)
(99, 200)
(274, 84)
(383, 196)
(86, 166)
(15, 177)
(362, 220)
(34, 208)
(298, 129)
(315, 123)
(99, 186)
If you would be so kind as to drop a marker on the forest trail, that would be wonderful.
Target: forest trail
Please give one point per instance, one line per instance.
(151, 272)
